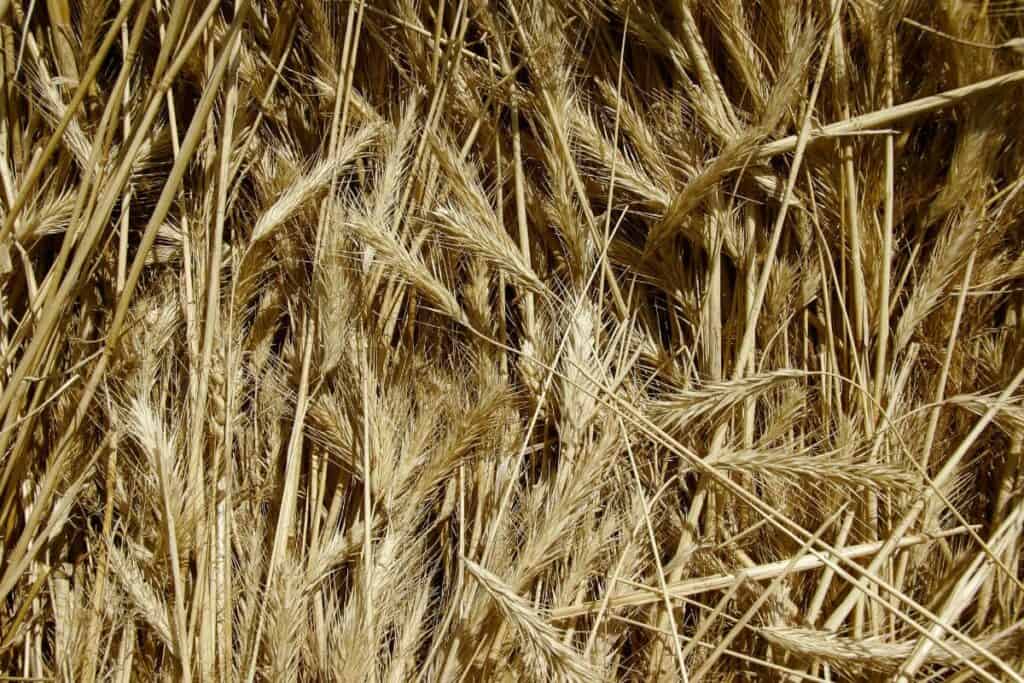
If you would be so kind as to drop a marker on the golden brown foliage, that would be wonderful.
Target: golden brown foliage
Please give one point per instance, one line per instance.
(569, 340)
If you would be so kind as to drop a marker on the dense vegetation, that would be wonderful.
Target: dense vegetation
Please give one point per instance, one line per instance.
(449, 340)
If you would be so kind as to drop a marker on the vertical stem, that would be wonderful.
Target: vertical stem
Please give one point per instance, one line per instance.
(887, 230)
(367, 494)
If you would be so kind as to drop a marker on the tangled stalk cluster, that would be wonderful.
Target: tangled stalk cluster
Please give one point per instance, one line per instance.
(575, 340)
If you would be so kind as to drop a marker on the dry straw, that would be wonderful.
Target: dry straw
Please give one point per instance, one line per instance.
(517, 340)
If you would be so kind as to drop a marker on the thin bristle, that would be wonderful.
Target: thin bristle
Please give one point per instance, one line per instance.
(584, 340)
